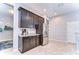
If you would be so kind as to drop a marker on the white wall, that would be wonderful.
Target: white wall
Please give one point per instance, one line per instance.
(6, 35)
(57, 29)
(72, 29)
(64, 27)
(7, 20)
(72, 26)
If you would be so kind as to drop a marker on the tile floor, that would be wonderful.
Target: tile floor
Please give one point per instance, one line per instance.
(53, 48)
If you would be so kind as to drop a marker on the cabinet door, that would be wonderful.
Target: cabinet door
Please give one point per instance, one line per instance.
(37, 40)
(31, 25)
(24, 19)
(26, 44)
(32, 41)
(35, 19)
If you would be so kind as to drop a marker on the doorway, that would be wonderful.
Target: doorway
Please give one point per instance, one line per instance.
(6, 26)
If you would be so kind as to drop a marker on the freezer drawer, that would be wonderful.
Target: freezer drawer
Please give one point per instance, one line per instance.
(45, 40)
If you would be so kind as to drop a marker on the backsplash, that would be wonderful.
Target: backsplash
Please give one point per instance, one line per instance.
(27, 31)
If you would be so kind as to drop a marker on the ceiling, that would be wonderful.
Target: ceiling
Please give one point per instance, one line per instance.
(49, 9)
(53, 9)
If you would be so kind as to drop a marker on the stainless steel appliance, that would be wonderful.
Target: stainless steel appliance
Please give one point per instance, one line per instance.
(45, 33)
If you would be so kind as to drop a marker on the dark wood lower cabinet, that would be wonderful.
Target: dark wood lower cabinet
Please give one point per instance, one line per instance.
(37, 41)
(27, 43)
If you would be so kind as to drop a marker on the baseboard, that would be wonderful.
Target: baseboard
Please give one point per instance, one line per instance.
(57, 41)
(71, 42)
(62, 41)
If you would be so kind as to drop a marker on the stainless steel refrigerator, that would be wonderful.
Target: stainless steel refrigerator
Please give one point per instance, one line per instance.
(45, 32)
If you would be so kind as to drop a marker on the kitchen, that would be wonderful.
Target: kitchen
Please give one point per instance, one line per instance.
(31, 31)
(45, 28)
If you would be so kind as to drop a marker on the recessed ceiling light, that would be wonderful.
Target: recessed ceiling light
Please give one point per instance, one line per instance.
(44, 10)
(11, 11)
(55, 14)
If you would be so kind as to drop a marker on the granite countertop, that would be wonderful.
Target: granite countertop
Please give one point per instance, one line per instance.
(29, 35)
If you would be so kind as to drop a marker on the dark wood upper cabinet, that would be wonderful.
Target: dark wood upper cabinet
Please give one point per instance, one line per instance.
(28, 19)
